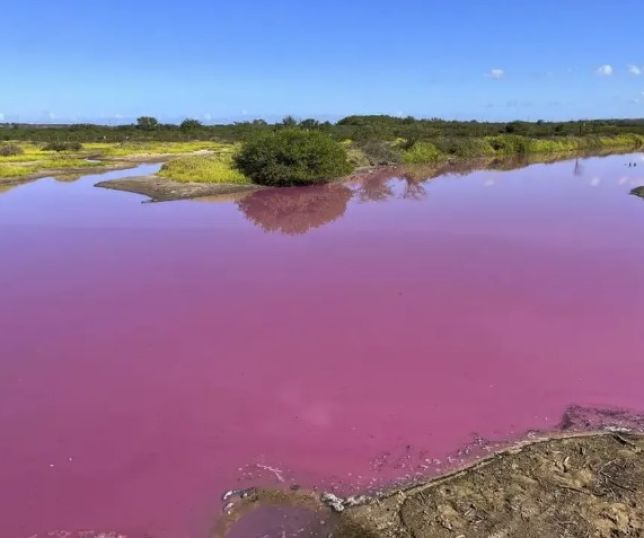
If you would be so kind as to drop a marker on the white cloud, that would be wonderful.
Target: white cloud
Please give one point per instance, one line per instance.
(1, 116)
(605, 70)
(635, 70)
(496, 73)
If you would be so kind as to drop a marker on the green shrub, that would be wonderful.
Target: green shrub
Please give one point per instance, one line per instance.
(9, 150)
(464, 147)
(63, 146)
(190, 125)
(147, 123)
(422, 153)
(292, 157)
(509, 144)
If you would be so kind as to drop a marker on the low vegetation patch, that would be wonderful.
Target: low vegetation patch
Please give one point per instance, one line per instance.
(154, 148)
(63, 146)
(25, 159)
(293, 157)
(31, 168)
(381, 153)
(423, 153)
(217, 168)
(10, 150)
(506, 145)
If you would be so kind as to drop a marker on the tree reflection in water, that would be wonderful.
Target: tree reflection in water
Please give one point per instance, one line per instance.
(379, 185)
(296, 210)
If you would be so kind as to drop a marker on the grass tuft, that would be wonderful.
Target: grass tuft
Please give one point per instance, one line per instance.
(216, 168)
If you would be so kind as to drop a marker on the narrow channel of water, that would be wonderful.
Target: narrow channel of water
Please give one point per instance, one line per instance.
(155, 355)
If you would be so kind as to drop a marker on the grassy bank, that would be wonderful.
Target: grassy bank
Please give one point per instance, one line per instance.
(213, 161)
(428, 152)
(27, 159)
(217, 168)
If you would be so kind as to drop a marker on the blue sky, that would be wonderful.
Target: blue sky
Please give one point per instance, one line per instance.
(111, 61)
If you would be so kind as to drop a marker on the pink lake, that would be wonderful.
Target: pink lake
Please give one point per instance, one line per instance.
(153, 356)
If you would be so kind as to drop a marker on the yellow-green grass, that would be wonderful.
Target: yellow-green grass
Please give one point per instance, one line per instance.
(507, 145)
(152, 148)
(30, 168)
(34, 159)
(217, 168)
(32, 151)
(421, 153)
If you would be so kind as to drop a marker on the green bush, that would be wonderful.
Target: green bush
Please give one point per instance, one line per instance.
(509, 144)
(422, 153)
(9, 150)
(63, 146)
(147, 123)
(190, 125)
(292, 157)
(464, 147)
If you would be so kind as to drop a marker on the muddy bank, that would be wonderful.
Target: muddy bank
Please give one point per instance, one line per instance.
(576, 485)
(162, 190)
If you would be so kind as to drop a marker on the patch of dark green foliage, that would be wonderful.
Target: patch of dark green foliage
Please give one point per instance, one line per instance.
(292, 157)
(360, 129)
(63, 146)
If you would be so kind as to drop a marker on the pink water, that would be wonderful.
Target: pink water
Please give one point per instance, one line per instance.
(155, 355)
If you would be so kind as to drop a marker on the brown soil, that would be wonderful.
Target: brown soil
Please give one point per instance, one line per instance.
(161, 190)
(582, 485)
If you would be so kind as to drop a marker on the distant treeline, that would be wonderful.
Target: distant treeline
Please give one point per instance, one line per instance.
(359, 129)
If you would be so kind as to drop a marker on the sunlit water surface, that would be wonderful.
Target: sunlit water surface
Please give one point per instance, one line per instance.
(154, 355)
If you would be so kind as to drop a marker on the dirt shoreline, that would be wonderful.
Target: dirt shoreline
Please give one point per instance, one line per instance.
(159, 189)
(567, 484)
